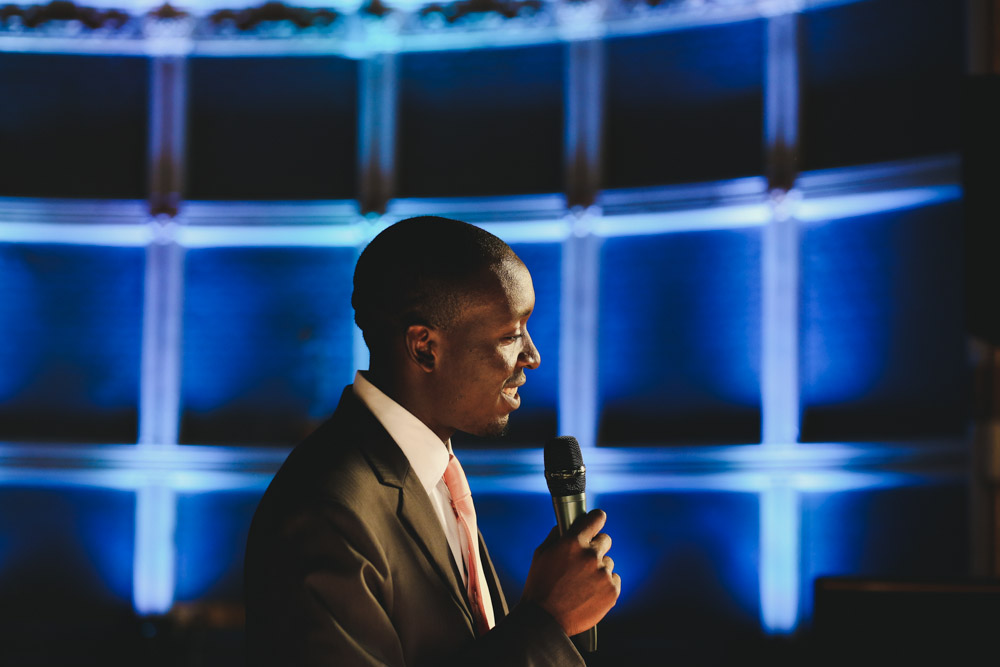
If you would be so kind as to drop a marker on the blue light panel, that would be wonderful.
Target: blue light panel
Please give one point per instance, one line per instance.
(64, 551)
(71, 318)
(481, 122)
(688, 569)
(679, 340)
(685, 106)
(881, 81)
(72, 126)
(211, 538)
(297, 141)
(883, 346)
(268, 342)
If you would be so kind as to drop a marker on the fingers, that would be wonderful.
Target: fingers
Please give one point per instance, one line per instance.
(572, 577)
(589, 525)
(601, 544)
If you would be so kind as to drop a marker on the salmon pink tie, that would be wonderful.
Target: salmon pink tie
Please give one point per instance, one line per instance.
(465, 512)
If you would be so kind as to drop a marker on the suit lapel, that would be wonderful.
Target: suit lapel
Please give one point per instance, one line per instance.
(417, 514)
(414, 508)
(493, 582)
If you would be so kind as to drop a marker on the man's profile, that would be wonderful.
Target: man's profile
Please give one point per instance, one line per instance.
(363, 550)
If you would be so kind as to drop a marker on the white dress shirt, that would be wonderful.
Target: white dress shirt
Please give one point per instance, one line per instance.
(428, 458)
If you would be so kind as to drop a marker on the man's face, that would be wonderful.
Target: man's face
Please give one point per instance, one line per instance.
(483, 354)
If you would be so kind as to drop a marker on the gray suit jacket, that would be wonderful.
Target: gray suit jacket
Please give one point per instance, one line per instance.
(347, 564)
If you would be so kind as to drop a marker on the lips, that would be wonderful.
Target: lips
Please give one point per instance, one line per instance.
(510, 392)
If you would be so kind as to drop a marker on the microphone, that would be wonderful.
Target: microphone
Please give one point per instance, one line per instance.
(566, 477)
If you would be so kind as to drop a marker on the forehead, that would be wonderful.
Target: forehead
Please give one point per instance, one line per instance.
(503, 293)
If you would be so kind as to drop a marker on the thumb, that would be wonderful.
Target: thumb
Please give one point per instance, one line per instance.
(589, 525)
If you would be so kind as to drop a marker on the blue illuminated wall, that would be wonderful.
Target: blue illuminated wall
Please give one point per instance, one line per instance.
(267, 336)
(71, 320)
(97, 150)
(768, 376)
(679, 359)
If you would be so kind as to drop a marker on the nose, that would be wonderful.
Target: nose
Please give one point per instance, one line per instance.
(529, 357)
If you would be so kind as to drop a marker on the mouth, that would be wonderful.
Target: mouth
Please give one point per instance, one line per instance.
(510, 393)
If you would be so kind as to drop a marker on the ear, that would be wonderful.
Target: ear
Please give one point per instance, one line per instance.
(422, 346)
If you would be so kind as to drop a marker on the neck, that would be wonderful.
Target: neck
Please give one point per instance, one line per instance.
(409, 396)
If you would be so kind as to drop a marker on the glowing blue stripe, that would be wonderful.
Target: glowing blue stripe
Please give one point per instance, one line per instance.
(812, 457)
(153, 571)
(86, 45)
(868, 203)
(779, 558)
(207, 236)
(726, 217)
(203, 236)
(121, 235)
(600, 481)
(553, 231)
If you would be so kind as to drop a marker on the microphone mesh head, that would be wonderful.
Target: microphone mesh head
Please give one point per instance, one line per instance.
(562, 458)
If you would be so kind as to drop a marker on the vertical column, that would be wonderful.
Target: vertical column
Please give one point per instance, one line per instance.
(167, 132)
(378, 100)
(578, 333)
(779, 336)
(780, 411)
(779, 557)
(153, 568)
(159, 404)
(584, 118)
(780, 252)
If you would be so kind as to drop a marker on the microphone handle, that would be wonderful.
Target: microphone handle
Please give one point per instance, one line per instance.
(568, 509)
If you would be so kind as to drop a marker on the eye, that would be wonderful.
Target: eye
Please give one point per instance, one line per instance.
(512, 338)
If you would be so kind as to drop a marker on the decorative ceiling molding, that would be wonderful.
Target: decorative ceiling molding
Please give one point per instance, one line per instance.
(63, 12)
(372, 26)
(270, 13)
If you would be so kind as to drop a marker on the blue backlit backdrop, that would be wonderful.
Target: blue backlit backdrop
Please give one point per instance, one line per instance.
(742, 220)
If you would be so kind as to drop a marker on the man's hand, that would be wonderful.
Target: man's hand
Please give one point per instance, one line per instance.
(572, 577)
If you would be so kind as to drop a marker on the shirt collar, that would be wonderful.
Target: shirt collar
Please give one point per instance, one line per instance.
(427, 455)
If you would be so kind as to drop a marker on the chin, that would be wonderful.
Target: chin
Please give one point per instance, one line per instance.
(494, 430)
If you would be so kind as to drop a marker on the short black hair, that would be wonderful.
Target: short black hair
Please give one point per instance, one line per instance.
(418, 271)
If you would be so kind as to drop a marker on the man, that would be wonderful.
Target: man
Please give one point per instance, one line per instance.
(363, 550)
